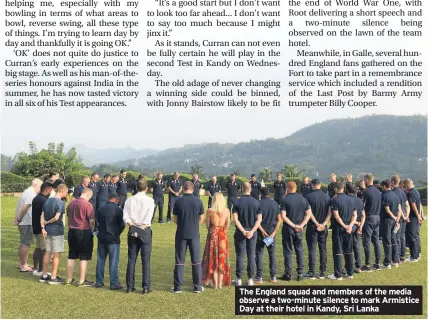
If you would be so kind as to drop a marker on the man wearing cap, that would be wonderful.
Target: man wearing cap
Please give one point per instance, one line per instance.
(316, 230)
(279, 186)
(213, 188)
(175, 186)
(255, 187)
(306, 187)
(158, 187)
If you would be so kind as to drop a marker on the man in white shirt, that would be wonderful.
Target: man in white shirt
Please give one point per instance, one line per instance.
(138, 213)
(23, 219)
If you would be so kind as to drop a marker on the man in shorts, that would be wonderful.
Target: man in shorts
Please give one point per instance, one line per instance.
(53, 231)
(81, 221)
(23, 219)
(37, 208)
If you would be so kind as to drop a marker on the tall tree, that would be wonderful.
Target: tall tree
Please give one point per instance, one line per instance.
(197, 169)
(291, 171)
(266, 175)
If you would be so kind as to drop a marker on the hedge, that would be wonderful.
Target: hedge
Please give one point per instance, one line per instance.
(13, 183)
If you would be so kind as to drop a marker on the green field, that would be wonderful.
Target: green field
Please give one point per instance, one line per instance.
(24, 297)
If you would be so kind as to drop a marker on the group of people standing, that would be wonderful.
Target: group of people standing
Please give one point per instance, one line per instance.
(102, 209)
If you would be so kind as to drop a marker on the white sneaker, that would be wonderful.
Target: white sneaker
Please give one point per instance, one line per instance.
(395, 265)
(349, 277)
(250, 282)
(388, 266)
(237, 282)
(333, 277)
(36, 273)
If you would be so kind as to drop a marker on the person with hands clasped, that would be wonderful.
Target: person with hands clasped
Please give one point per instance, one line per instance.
(295, 212)
(247, 216)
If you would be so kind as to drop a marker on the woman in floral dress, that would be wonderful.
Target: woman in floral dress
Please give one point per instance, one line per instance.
(216, 260)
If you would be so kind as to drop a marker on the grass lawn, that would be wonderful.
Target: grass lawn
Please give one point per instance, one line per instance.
(24, 297)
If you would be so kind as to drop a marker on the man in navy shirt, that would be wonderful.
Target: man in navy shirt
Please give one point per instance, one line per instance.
(357, 228)
(122, 188)
(158, 187)
(112, 187)
(93, 185)
(271, 221)
(390, 216)
(188, 215)
(213, 188)
(295, 212)
(306, 187)
(78, 189)
(255, 187)
(233, 188)
(102, 193)
(317, 231)
(415, 220)
(372, 204)
(405, 210)
(279, 187)
(197, 185)
(247, 216)
(330, 188)
(174, 187)
(344, 217)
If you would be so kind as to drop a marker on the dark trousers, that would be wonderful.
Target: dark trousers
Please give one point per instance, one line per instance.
(389, 240)
(122, 199)
(231, 203)
(356, 246)
(413, 235)
(371, 234)
(181, 246)
(134, 246)
(112, 252)
(342, 246)
(278, 199)
(210, 202)
(402, 239)
(260, 246)
(290, 239)
(158, 204)
(171, 203)
(244, 246)
(313, 236)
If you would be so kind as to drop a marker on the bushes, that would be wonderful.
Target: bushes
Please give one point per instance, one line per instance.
(423, 193)
(13, 183)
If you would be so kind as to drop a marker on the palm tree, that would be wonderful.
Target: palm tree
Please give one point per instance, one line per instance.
(266, 175)
(291, 171)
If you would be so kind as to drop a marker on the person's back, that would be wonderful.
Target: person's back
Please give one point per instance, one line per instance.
(247, 208)
(372, 201)
(218, 219)
(295, 205)
(320, 203)
(188, 209)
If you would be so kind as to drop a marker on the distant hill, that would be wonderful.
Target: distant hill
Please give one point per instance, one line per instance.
(92, 156)
(383, 145)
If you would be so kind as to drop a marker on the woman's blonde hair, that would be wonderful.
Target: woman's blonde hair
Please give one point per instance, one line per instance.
(219, 202)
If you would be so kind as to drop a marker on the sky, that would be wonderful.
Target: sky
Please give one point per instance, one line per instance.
(140, 126)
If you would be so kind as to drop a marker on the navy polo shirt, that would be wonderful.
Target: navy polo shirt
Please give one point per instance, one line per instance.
(232, 189)
(359, 206)
(122, 187)
(94, 188)
(403, 198)
(414, 197)
(279, 187)
(158, 187)
(295, 206)
(372, 201)
(110, 223)
(197, 188)
(188, 208)
(102, 193)
(247, 209)
(270, 210)
(391, 200)
(320, 203)
(345, 206)
(78, 191)
(213, 188)
(255, 189)
(112, 188)
(330, 189)
(174, 185)
(305, 189)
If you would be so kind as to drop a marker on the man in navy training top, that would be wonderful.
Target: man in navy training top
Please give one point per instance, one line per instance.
(93, 185)
(271, 221)
(390, 216)
(357, 228)
(416, 219)
(316, 230)
(197, 186)
(213, 188)
(247, 216)
(279, 187)
(122, 188)
(102, 193)
(405, 210)
(233, 188)
(188, 215)
(158, 187)
(330, 188)
(344, 217)
(78, 189)
(112, 187)
(372, 204)
(255, 187)
(175, 187)
(306, 187)
(295, 212)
